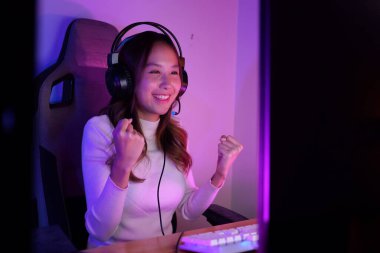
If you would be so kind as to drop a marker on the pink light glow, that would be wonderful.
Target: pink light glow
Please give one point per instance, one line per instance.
(264, 159)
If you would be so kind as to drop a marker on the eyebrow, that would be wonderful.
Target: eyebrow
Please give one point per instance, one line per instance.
(158, 65)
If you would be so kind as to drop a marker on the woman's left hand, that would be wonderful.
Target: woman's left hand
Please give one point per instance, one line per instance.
(228, 150)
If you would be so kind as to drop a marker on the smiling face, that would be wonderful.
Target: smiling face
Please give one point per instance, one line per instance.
(159, 82)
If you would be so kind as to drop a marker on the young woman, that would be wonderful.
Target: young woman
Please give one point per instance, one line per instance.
(136, 169)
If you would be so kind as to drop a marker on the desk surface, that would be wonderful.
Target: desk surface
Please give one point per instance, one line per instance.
(161, 244)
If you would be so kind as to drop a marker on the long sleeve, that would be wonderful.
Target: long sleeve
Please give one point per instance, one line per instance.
(105, 201)
(197, 199)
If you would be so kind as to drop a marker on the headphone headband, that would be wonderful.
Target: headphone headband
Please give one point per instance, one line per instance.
(160, 27)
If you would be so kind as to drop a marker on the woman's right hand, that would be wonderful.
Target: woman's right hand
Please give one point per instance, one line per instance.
(128, 145)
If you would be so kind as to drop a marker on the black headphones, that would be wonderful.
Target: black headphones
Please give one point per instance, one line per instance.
(119, 78)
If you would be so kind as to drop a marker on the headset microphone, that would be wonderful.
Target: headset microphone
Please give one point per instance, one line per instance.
(175, 113)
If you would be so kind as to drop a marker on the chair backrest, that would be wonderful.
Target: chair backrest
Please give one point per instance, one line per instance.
(69, 93)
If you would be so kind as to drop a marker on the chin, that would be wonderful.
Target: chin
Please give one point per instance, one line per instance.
(164, 112)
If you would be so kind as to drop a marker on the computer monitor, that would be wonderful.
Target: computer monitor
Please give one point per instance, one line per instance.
(320, 144)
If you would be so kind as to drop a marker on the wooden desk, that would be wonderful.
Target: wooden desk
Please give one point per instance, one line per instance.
(161, 244)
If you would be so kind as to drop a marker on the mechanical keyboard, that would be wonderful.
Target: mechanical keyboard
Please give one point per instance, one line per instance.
(233, 240)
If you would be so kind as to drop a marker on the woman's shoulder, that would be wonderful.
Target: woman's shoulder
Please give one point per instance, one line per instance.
(97, 134)
(99, 122)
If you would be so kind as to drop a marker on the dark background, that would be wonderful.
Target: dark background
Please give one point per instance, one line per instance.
(16, 110)
(325, 125)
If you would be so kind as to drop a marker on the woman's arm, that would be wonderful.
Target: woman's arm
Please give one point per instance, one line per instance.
(105, 200)
(197, 200)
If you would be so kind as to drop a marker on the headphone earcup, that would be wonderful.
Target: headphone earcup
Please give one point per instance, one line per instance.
(118, 80)
(185, 81)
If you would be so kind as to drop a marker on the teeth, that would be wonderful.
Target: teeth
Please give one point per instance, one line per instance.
(161, 97)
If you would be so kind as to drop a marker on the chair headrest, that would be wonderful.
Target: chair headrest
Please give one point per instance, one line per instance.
(88, 42)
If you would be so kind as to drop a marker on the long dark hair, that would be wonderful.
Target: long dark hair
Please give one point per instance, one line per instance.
(170, 136)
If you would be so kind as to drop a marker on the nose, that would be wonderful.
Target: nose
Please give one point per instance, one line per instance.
(166, 82)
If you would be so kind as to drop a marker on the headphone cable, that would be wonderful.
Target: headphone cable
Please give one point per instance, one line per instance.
(158, 193)
(178, 242)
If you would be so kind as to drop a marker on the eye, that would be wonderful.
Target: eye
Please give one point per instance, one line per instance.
(154, 71)
(174, 72)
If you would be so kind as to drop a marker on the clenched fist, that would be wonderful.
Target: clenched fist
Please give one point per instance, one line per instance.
(128, 145)
(228, 150)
